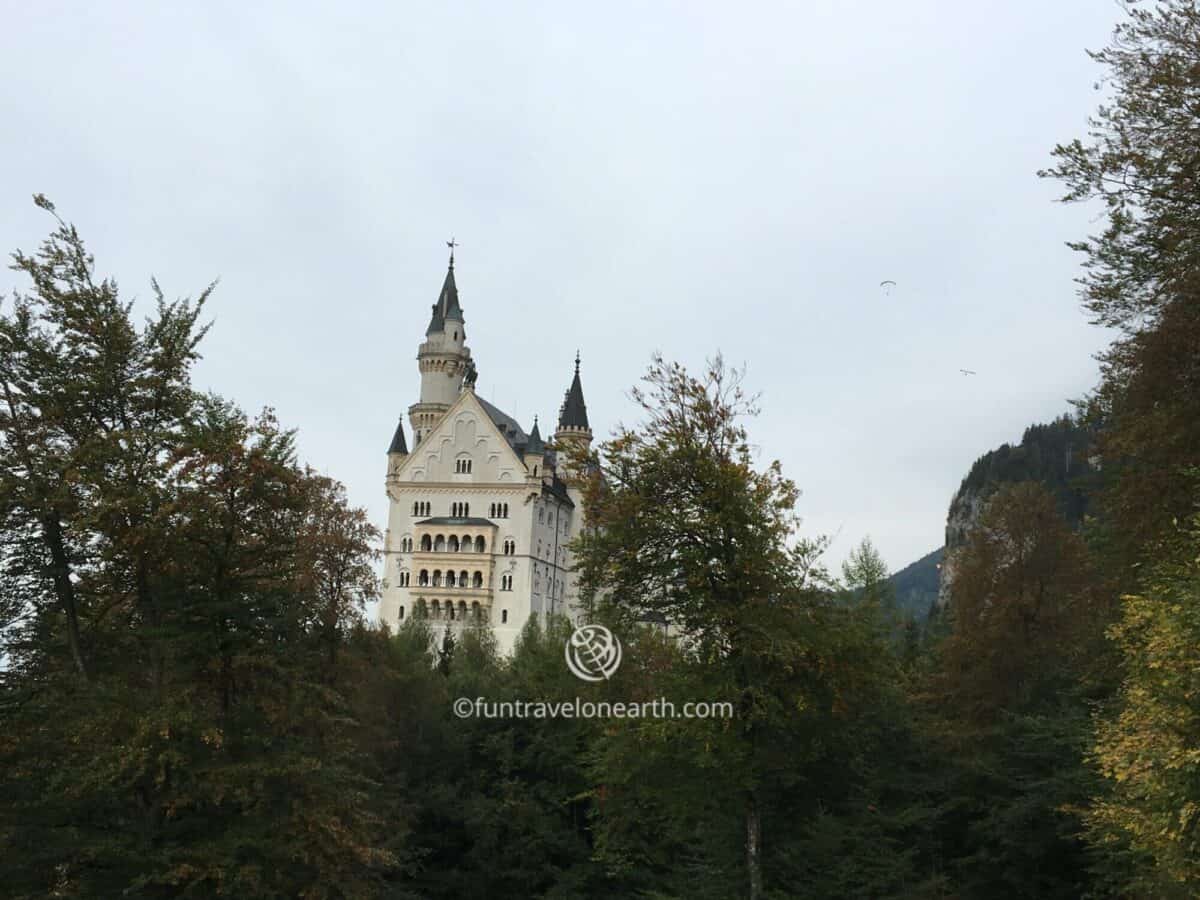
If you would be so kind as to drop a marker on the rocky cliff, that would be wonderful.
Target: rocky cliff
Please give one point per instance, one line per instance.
(1056, 454)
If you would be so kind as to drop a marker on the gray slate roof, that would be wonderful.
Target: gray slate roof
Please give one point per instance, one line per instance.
(447, 304)
(535, 444)
(574, 410)
(509, 427)
(398, 445)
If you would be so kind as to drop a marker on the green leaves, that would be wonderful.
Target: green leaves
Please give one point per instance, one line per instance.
(1149, 749)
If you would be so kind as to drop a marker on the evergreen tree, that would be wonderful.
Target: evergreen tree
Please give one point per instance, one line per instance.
(172, 553)
(685, 529)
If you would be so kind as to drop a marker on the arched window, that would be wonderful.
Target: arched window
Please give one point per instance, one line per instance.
(475, 611)
(463, 578)
(439, 544)
(467, 543)
(435, 609)
(480, 545)
(422, 611)
(401, 614)
(437, 579)
(462, 609)
(506, 582)
(450, 579)
(426, 543)
(423, 578)
(478, 580)
(541, 515)
(503, 616)
(449, 609)
(452, 543)
(504, 515)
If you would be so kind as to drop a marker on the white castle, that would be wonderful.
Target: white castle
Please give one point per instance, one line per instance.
(481, 513)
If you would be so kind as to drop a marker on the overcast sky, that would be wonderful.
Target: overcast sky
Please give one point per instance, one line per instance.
(622, 178)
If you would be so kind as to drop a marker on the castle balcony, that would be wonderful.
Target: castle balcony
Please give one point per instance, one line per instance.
(450, 559)
(455, 611)
(464, 536)
(460, 580)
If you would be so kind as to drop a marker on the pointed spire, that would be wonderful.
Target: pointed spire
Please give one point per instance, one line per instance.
(398, 445)
(535, 444)
(447, 303)
(574, 410)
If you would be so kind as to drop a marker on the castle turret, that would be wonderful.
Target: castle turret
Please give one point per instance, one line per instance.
(534, 455)
(443, 358)
(397, 449)
(573, 430)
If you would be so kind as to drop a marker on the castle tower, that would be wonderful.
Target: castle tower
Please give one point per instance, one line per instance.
(572, 418)
(443, 359)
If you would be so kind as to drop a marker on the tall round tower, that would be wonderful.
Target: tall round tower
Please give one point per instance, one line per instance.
(443, 359)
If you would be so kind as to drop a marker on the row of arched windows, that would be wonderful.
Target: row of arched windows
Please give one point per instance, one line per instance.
(452, 544)
(463, 579)
(448, 610)
(495, 511)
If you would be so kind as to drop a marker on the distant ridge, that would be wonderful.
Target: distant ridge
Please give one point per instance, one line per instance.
(916, 585)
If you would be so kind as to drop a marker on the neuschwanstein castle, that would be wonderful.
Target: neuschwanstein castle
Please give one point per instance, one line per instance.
(481, 512)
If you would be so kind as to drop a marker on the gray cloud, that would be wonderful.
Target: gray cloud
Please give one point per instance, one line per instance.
(623, 178)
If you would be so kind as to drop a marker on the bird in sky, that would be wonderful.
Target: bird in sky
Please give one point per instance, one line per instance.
(966, 371)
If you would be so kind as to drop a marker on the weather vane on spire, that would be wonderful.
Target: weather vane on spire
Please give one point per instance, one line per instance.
(452, 244)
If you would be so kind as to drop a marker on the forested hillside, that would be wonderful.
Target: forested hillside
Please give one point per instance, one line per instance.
(916, 585)
(1059, 455)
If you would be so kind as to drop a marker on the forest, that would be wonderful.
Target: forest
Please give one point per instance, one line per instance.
(195, 703)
